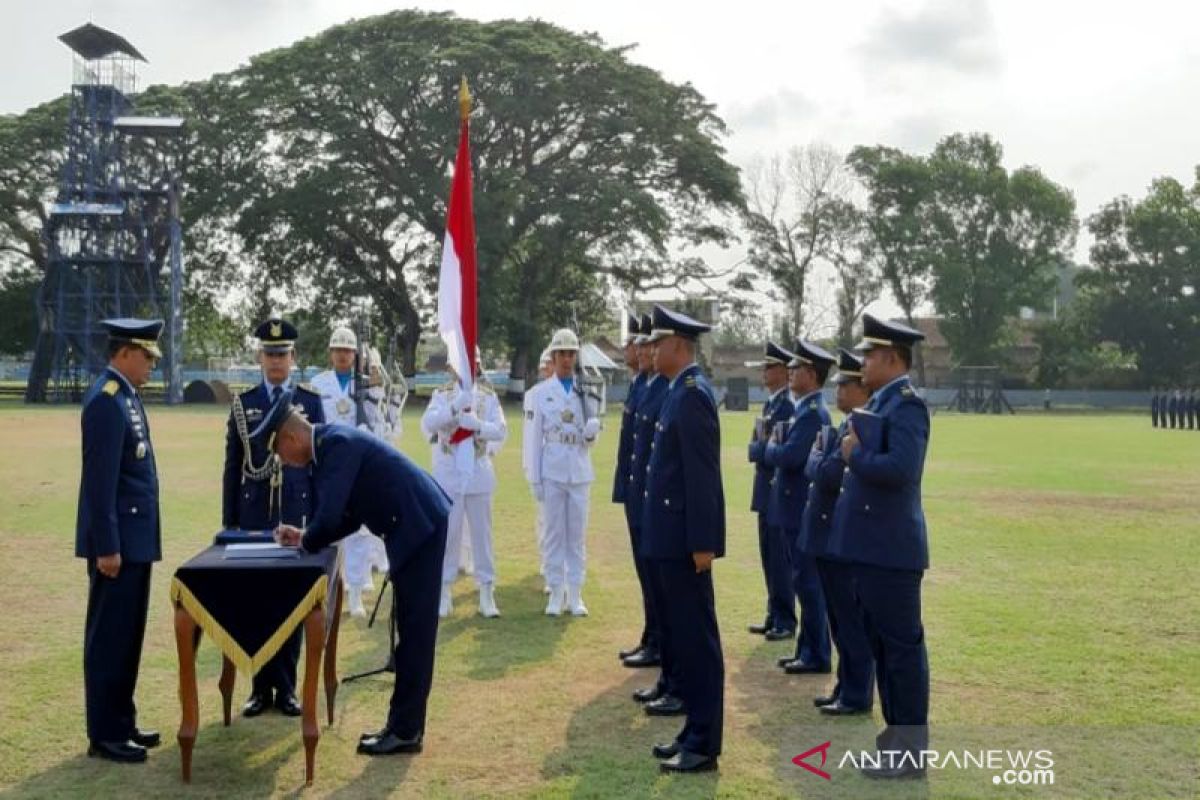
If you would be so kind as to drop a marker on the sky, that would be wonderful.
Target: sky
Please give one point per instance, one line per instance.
(1100, 95)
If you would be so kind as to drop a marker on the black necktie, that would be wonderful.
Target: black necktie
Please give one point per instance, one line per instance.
(275, 392)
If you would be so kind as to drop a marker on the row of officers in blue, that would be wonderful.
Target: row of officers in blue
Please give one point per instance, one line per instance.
(841, 530)
(1175, 408)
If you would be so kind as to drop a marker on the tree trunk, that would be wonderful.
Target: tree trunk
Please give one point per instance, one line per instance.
(918, 351)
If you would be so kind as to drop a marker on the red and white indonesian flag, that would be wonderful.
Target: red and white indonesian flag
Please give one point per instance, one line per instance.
(457, 288)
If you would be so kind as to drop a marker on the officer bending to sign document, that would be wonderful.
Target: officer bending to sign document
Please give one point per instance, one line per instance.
(361, 480)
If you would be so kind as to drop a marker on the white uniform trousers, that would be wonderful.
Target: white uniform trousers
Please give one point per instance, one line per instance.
(564, 528)
(363, 550)
(475, 510)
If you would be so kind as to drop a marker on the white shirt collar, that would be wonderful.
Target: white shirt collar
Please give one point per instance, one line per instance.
(778, 392)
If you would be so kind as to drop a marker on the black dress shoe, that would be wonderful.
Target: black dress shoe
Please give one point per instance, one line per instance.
(783, 661)
(389, 744)
(893, 773)
(643, 658)
(824, 700)
(778, 634)
(256, 705)
(624, 654)
(665, 706)
(288, 706)
(686, 761)
(665, 751)
(648, 694)
(758, 629)
(837, 709)
(146, 739)
(121, 752)
(799, 667)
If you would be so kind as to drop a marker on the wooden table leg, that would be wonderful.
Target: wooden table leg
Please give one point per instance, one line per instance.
(228, 679)
(314, 642)
(185, 644)
(331, 680)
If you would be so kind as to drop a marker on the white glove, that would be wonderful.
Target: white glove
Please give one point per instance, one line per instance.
(539, 493)
(461, 401)
(591, 428)
(469, 421)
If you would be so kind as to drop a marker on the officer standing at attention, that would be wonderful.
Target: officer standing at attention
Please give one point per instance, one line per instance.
(807, 371)
(1154, 406)
(683, 531)
(560, 428)
(879, 526)
(545, 372)
(258, 496)
(117, 530)
(773, 549)
(462, 466)
(365, 482)
(362, 551)
(1172, 406)
(855, 686)
(645, 653)
(663, 698)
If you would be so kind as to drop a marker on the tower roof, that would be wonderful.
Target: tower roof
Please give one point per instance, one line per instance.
(92, 42)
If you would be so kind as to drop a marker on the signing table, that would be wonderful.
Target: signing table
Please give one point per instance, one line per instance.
(249, 604)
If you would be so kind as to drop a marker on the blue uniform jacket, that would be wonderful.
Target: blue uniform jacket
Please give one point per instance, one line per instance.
(684, 509)
(879, 519)
(824, 472)
(625, 441)
(648, 410)
(361, 480)
(789, 489)
(245, 503)
(118, 487)
(777, 409)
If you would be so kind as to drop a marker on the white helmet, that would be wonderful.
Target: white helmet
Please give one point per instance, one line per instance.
(545, 358)
(564, 339)
(343, 338)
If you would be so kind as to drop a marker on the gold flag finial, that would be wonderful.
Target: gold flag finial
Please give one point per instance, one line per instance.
(464, 99)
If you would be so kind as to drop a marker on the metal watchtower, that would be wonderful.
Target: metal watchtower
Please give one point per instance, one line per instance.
(113, 235)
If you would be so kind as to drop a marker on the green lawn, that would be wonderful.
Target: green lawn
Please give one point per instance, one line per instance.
(1061, 612)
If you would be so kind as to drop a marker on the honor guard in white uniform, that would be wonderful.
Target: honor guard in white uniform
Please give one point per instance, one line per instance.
(363, 550)
(545, 371)
(467, 428)
(561, 425)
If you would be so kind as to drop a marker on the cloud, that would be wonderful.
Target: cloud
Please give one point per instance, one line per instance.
(771, 111)
(956, 35)
(918, 133)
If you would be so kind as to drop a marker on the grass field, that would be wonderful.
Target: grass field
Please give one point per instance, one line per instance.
(1061, 612)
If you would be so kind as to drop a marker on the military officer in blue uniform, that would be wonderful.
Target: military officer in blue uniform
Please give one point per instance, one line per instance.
(774, 551)
(1172, 406)
(855, 686)
(257, 496)
(683, 531)
(1154, 405)
(118, 532)
(662, 699)
(362, 480)
(646, 653)
(879, 526)
(807, 371)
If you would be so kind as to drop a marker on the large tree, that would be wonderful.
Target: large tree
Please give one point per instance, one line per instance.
(898, 187)
(1143, 292)
(994, 240)
(791, 210)
(591, 171)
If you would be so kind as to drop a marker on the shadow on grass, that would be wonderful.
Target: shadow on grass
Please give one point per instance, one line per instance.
(789, 725)
(607, 749)
(225, 761)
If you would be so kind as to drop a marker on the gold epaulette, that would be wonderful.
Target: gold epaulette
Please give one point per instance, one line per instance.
(111, 387)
